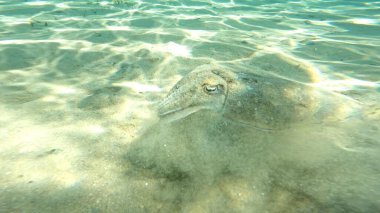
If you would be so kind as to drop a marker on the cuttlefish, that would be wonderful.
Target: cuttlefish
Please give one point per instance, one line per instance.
(263, 101)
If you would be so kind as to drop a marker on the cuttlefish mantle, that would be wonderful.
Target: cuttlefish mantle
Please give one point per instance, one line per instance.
(266, 102)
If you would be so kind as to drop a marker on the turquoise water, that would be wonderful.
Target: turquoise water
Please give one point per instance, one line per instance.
(81, 83)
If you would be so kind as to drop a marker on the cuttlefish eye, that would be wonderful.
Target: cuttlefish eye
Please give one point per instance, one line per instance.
(213, 89)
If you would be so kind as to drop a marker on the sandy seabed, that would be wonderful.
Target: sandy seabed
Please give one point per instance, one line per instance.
(80, 82)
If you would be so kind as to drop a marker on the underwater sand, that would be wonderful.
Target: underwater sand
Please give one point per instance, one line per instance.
(80, 82)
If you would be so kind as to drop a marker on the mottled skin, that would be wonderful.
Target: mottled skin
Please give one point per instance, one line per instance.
(269, 102)
(265, 102)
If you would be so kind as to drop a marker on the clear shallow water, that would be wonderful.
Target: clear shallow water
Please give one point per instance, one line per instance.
(80, 82)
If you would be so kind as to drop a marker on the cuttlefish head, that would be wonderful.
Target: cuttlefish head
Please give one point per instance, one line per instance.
(204, 88)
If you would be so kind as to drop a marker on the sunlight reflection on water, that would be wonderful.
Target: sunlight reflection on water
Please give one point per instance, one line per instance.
(80, 84)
